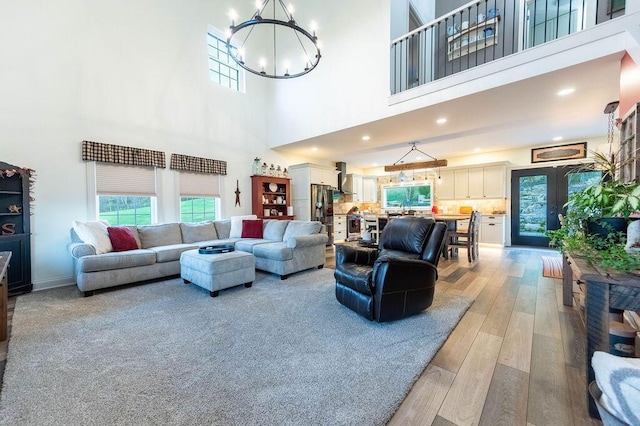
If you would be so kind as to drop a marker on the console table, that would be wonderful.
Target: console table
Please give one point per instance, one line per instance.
(5, 256)
(602, 291)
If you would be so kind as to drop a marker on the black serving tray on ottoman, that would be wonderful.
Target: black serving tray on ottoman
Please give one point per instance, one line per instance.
(222, 248)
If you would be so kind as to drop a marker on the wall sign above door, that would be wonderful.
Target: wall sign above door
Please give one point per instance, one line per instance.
(559, 152)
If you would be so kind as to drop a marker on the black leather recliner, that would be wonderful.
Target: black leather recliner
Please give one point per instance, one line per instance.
(398, 280)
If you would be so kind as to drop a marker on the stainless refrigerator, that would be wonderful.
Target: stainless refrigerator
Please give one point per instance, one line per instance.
(322, 207)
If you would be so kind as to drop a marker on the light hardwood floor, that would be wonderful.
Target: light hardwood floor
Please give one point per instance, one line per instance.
(516, 357)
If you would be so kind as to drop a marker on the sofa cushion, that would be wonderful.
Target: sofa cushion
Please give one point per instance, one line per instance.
(295, 228)
(218, 242)
(201, 231)
(116, 260)
(160, 235)
(236, 225)
(171, 252)
(122, 238)
(223, 228)
(94, 233)
(273, 251)
(252, 228)
(274, 229)
(248, 244)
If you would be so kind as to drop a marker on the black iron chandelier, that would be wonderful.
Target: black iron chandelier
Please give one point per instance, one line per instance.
(292, 50)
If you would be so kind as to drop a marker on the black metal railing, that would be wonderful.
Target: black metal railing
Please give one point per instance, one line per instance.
(485, 30)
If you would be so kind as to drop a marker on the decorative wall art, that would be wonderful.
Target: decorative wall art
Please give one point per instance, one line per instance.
(559, 152)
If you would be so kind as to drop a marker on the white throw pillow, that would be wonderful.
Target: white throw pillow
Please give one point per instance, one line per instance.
(236, 224)
(94, 233)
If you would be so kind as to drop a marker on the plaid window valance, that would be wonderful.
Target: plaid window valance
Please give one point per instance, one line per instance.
(198, 164)
(108, 153)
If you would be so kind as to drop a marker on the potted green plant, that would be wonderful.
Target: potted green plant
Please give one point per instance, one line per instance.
(597, 217)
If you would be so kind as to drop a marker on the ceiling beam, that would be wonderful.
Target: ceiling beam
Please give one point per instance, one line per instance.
(414, 166)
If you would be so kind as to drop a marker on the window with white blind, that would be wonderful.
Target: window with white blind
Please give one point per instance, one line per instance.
(126, 195)
(199, 196)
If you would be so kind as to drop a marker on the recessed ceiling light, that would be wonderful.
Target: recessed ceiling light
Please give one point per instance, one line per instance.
(375, 164)
(557, 138)
(441, 120)
(314, 149)
(567, 91)
(366, 138)
(477, 150)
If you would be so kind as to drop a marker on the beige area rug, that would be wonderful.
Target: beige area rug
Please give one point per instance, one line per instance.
(279, 353)
(551, 266)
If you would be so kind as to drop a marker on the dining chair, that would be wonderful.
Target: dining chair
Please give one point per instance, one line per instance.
(371, 225)
(466, 238)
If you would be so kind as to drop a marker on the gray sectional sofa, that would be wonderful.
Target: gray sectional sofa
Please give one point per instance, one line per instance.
(287, 246)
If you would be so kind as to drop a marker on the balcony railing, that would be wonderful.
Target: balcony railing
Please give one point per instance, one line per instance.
(485, 30)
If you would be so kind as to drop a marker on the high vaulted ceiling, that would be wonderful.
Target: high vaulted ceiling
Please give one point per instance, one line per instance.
(523, 114)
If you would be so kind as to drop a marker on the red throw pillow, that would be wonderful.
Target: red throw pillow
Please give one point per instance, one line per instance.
(122, 238)
(252, 228)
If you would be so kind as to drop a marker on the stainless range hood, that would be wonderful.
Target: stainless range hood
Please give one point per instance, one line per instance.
(345, 182)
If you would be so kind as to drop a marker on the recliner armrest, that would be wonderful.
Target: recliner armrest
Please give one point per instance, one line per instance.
(359, 255)
(392, 274)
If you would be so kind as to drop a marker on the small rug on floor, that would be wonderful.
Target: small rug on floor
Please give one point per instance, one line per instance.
(551, 266)
(279, 353)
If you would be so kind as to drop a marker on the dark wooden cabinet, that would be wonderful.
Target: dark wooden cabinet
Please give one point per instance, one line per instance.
(270, 195)
(15, 228)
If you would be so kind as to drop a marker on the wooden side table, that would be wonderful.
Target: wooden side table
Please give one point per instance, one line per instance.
(5, 256)
(602, 291)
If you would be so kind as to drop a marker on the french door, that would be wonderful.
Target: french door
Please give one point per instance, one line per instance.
(538, 196)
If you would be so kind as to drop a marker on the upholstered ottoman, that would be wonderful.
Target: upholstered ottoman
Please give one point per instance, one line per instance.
(215, 272)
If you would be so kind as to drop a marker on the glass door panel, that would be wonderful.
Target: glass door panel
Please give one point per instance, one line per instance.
(538, 196)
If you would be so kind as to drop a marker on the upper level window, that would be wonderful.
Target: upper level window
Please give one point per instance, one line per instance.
(222, 68)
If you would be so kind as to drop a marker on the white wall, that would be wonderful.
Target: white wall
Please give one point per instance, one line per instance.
(350, 84)
(121, 72)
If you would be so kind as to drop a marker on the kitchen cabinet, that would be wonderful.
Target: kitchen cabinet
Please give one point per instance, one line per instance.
(353, 186)
(270, 195)
(479, 182)
(445, 189)
(494, 181)
(323, 176)
(15, 228)
(468, 183)
(339, 227)
(369, 189)
(492, 229)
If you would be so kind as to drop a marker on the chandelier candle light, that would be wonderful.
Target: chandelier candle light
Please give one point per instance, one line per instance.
(280, 39)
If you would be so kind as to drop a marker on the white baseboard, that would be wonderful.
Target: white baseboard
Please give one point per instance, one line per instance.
(53, 283)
